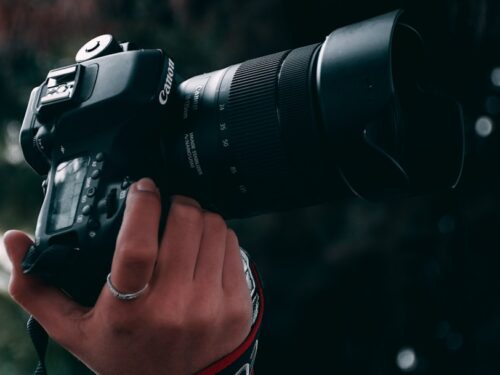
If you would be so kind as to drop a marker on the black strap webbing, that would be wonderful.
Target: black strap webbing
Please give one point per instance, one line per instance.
(40, 341)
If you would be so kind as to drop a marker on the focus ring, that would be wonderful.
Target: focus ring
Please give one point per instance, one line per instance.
(300, 124)
(253, 121)
(296, 95)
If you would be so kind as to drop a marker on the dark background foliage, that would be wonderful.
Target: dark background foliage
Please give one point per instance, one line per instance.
(351, 286)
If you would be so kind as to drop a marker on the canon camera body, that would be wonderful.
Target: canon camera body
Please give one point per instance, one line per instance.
(91, 129)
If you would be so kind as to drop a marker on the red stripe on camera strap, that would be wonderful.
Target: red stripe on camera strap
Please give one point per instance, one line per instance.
(241, 360)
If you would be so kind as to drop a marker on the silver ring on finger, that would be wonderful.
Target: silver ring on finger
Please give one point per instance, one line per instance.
(124, 296)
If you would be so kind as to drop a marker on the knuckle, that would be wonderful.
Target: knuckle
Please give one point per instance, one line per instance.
(141, 196)
(204, 313)
(173, 321)
(204, 320)
(232, 239)
(181, 199)
(214, 221)
(239, 320)
(136, 257)
(120, 325)
(142, 203)
(15, 291)
(187, 214)
(123, 324)
(239, 314)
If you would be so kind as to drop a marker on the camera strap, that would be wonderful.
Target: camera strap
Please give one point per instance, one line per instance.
(40, 340)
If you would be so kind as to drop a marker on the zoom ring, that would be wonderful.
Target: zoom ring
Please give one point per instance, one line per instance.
(253, 122)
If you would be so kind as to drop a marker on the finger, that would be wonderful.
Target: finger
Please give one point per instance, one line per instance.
(49, 306)
(210, 261)
(137, 243)
(181, 242)
(233, 276)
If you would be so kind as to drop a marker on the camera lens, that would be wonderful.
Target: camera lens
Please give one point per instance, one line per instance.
(316, 123)
(251, 140)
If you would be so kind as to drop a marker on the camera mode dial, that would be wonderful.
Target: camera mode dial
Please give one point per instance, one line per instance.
(99, 46)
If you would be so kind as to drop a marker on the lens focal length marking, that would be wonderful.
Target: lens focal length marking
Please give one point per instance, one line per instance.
(231, 169)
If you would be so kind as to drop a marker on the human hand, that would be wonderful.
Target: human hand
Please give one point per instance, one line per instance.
(196, 309)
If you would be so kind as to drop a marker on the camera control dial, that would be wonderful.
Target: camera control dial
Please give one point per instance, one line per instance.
(97, 47)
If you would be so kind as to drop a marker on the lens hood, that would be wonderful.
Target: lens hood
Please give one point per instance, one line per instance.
(389, 133)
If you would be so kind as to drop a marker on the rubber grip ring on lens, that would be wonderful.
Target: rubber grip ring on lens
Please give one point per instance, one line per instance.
(253, 118)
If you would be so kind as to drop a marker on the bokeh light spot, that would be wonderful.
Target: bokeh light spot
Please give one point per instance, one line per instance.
(484, 126)
(407, 359)
(495, 77)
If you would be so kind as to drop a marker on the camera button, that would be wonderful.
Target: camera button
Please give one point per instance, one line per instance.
(86, 210)
(99, 156)
(126, 183)
(95, 174)
(62, 89)
(44, 186)
(91, 192)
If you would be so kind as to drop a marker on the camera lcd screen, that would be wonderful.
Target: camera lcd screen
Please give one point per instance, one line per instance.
(68, 183)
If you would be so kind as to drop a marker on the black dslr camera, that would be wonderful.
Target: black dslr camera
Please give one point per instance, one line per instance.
(351, 115)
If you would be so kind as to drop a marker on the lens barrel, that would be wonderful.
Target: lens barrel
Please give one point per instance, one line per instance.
(316, 123)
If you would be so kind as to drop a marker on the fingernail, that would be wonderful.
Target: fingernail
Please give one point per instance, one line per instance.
(146, 184)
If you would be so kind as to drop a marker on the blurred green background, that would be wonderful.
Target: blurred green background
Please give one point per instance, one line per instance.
(405, 286)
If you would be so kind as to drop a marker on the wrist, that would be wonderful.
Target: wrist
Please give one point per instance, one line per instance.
(241, 360)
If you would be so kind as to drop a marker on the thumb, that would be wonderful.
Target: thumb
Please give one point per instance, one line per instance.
(48, 305)
(16, 244)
